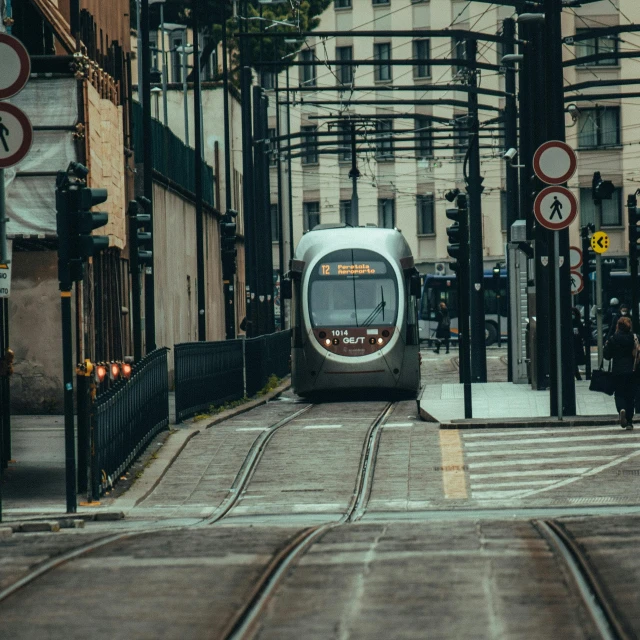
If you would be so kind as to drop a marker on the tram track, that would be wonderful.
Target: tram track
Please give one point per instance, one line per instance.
(245, 622)
(597, 602)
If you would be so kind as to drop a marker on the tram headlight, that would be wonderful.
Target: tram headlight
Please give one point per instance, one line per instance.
(327, 341)
(380, 340)
(336, 341)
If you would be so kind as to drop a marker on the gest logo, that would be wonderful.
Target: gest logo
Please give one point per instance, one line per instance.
(353, 340)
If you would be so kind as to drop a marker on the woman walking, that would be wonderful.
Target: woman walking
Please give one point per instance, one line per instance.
(621, 350)
(443, 328)
(578, 342)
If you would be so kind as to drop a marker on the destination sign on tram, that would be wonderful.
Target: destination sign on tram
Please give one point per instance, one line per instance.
(352, 268)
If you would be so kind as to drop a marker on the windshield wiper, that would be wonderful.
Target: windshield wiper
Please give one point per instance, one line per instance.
(380, 307)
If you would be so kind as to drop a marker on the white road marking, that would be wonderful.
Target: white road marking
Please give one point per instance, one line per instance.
(397, 425)
(537, 461)
(495, 443)
(480, 495)
(323, 426)
(530, 432)
(526, 483)
(528, 452)
(251, 428)
(537, 472)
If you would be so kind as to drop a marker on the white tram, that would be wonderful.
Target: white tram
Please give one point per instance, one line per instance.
(354, 312)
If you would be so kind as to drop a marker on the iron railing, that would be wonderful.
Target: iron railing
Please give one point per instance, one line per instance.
(207, 373)
(125, 418)
(266, 356)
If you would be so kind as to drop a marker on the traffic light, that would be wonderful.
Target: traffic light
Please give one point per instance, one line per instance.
(143, 231)
(496, 270)
(601, 189)
(634, 218)
(75, 222)
(228, 244)
(458, 234)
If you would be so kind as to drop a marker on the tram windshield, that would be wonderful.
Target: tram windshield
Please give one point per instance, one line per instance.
(353, 288)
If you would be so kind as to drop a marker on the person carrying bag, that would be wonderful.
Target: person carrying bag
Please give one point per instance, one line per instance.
(623, 350)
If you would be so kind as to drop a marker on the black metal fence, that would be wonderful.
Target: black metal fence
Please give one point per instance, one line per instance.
(212, 373)
(265, 356)
(207, 373)
(124, 419)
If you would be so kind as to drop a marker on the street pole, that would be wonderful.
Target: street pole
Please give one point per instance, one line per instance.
(280, 203)
(599, 286)
(197, 108)
(632, 203)
(67, 374)
(228, 285)
(4, 249)
(185, 89)
(290, 194)
(474, 187)
(464, 346)
(149, 285)
(354, 174)
(584, 233)
(139, 45)
(165, 112)
(511, 142)
(266, 222)
(257, 246)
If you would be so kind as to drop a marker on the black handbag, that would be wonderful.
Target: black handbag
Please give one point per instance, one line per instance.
(602, 381)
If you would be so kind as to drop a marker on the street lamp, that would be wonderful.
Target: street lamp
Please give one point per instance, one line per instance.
(185, 50)
(155, 92)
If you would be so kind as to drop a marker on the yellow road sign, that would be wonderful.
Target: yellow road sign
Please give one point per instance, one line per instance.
(600, 242)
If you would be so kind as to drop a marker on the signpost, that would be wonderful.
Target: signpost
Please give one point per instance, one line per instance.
(555, 208)
(577, 283)
(600, 242)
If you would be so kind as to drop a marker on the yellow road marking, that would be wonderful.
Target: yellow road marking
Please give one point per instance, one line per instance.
(453, 473)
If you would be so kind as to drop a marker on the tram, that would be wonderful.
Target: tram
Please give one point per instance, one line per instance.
(354, 312)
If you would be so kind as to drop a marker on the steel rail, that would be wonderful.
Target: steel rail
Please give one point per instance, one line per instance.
(242, 478)
(596, 601)
(245, 622)
(249, 466)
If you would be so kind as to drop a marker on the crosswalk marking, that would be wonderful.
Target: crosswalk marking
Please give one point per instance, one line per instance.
(251, 429)
(537, 461)
(397, 425)
(495, 494)
(526, 483)
(495, 443)
(528, 452)
(323, 426)
(536, 472)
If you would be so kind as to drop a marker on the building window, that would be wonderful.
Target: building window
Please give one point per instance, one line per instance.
(344, 72)
(307, 71)
(421, 51)
(309, 140)
(311, 212)
(424, 138)
(209, 66)
(346, 212)
(503, 210)
(176, 58)
(374, 2)
(382, 51)
(267, 80)
(342, 4)
(272, 147)
(458, 52)
(460, 135)
(424, 207)
(386, 213)
(344, 141)
(384, 138)
(155, 51)
(275, 223)
(611, 209)
(599, 127)
(591, 46)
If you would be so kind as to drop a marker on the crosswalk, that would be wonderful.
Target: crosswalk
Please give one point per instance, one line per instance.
(532, 461)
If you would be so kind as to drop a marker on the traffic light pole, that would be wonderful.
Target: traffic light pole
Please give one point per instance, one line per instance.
(463, 319)
(586, 297)
(476, 266)
(632, 203)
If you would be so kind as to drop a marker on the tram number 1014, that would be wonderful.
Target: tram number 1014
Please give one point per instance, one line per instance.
(340, 332)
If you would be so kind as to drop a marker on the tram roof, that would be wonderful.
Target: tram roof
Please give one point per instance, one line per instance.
(325, 238)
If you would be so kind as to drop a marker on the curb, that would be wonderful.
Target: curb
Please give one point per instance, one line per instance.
(531, 423)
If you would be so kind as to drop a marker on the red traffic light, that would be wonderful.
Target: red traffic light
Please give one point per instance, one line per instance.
(126, 370)
(100, 372)
(114, 371)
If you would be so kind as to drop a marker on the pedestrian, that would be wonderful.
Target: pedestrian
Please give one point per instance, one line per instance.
(610, 319)
(444, 327)
(622, 349)
(578, 342)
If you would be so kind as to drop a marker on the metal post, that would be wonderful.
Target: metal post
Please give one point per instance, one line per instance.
(354, 174)
(476, 266)
(266, 222)
(136, 289)
(4, 249)
(139, 44)
(584, 232)
(599, 309)
(197, 108)
(165, 112)
(67, 374)
(185, 92)
(256, 246)
(632, 203)
(149, 285)
(292, 248)
(513, 213)
(464, 342)
(228, 285)
(281, 268)
(558, 330)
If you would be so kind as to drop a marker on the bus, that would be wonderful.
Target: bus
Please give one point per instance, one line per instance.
(438, 288)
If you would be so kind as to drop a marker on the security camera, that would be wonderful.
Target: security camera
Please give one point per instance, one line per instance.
(510, 154)
(571, 108)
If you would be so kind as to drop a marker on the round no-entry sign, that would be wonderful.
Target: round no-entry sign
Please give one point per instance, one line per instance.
(575, 257)
(555, 208)
(554, 162)
(16, 135)
(15, 67)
